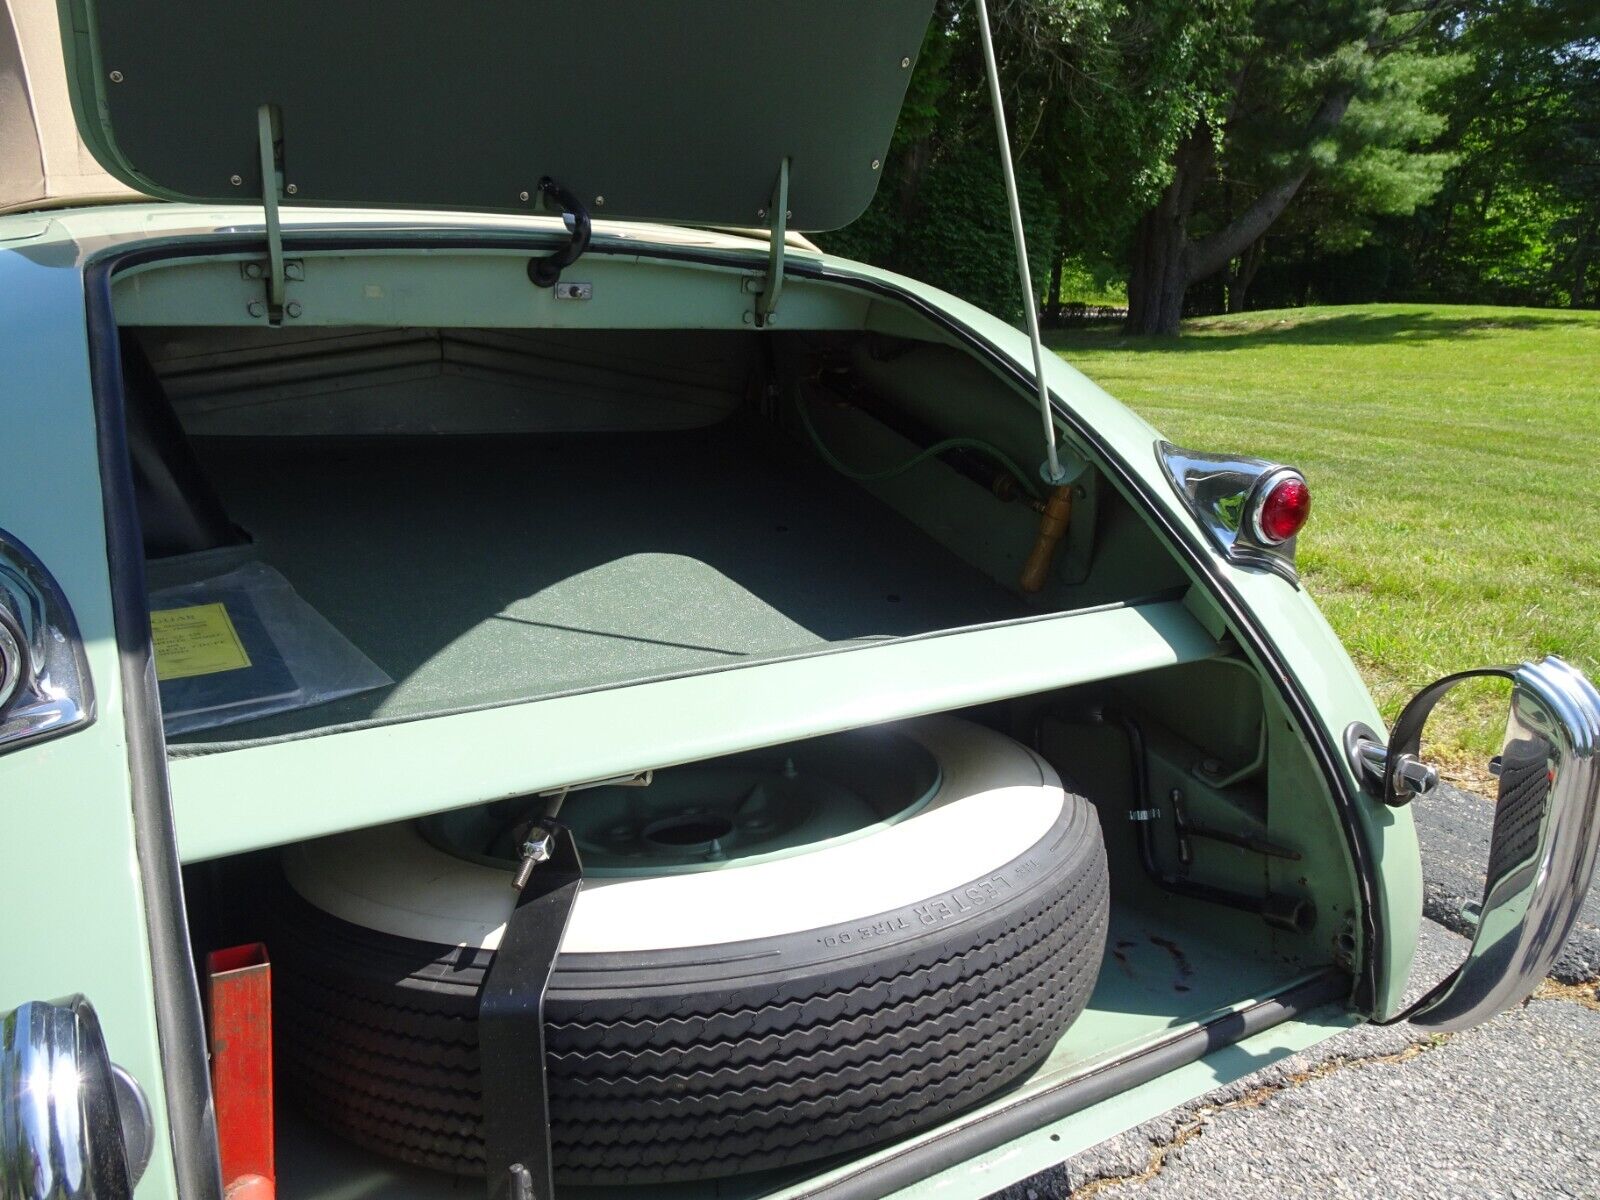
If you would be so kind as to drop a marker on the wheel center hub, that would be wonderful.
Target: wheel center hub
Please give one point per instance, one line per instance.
(756, 805)
(688, 830)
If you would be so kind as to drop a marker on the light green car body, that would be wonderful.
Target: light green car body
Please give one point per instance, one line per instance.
(68, 858)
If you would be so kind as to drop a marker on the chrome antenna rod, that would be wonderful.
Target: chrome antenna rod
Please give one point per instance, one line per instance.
(1052, 467)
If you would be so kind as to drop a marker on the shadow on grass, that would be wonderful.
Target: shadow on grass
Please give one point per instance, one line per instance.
(1311, 328)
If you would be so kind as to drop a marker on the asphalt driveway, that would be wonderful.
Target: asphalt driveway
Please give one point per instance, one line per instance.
(1503, 1110)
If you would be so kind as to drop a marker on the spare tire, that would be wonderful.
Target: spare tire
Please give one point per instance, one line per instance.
(736, 1012)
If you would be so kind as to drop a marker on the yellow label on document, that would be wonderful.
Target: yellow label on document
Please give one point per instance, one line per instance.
(199, 640)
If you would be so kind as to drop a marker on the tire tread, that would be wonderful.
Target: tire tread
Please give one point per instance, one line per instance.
(377, 1039)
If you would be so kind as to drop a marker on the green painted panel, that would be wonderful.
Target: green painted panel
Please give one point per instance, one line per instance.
(675, 112)
(1329, 679)
(1309, 648)
(288, 790)
(467, 289)
(521, 568)
(69, 879)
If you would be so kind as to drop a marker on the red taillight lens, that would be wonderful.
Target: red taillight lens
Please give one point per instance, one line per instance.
(1283, 510)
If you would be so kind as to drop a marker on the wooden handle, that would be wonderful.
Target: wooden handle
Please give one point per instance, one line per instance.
(1052, 528)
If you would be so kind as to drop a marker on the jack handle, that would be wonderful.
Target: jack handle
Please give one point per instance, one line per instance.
(1055, 516)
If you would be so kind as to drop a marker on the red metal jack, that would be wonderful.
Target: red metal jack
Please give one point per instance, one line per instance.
(239, 1012)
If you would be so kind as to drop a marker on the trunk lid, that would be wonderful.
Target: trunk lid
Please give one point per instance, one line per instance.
(644, 110)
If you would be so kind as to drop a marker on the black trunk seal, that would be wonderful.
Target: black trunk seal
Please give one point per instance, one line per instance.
(180, 1028)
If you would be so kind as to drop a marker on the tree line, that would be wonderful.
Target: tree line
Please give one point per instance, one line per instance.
(1224, 154)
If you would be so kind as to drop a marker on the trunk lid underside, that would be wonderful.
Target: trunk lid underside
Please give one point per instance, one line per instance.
(640, 112)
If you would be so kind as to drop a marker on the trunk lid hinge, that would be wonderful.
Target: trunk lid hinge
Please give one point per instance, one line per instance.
(276, 272)
(778, 222)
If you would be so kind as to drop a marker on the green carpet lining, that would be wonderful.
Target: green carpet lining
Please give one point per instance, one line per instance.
(485, 570)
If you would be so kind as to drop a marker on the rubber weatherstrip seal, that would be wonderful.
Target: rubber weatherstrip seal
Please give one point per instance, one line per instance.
(1329, 755)
(180, 1029)
(915, 1163)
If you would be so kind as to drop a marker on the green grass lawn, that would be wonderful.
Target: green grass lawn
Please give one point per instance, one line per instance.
(1454, 461)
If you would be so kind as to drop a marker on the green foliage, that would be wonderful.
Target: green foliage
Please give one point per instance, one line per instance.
(1514, 170)
(1443, 148)
(1092, 281)
(961, 239)
(1354, 92)
(1519, 217)
(1097, 94)
(1384, 165)
(1129, 83)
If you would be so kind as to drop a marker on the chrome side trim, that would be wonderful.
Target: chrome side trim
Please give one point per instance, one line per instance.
(44, 676)
(1542, 852)
(1224, 493)
(72, 1125)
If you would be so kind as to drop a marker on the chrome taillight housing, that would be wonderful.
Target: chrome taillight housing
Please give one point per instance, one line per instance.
(1251, 509)
(44, 673)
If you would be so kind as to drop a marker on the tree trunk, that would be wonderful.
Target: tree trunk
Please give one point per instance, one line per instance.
(1052, 301)
(1158, 281)
(1165, 262)
(913, 167)
(1159, 275)
(1240, 278)
(1583, 255)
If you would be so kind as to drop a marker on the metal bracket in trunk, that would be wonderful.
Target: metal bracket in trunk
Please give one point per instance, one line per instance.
(778, 223)
(268, 136)
(516, 1097)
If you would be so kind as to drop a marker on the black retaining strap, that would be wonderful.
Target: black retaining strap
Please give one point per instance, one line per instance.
(516, 1094)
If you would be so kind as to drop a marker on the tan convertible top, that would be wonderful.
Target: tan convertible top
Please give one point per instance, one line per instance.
(43, 162)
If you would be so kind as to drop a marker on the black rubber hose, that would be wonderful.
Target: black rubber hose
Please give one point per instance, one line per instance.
(1280, 911)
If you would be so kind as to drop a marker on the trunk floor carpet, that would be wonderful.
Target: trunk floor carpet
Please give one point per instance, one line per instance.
(487, 570)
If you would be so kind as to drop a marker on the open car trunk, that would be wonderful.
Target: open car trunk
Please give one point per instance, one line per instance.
(479, 568)
(493, 517)
(556, 556)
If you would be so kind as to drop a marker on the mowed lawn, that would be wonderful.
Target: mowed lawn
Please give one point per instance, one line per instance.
(1454, 461)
